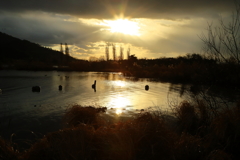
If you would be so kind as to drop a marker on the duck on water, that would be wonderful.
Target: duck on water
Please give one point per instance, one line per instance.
(94, 85)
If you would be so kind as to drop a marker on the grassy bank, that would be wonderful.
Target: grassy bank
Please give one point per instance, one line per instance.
(199, 131)
(188, 69)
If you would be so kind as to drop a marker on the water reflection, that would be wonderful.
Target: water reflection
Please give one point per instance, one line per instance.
(211, 95)
(119, 83)
(22, 109)
(119, 102)
(118, 111)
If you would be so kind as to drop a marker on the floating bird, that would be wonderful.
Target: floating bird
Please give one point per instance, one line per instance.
(59, 87)
(94, 85)
(146, 87)
(36, 89)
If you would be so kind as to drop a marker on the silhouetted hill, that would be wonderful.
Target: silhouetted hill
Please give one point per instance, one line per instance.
(15, 51)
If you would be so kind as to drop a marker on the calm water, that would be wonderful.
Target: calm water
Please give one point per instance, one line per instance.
(25, 112)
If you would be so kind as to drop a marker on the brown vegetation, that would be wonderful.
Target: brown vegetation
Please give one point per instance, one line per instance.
(195, 133)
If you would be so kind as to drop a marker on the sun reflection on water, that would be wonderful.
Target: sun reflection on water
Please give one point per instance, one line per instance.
(119, 104)
(120, 83)
(118, 111)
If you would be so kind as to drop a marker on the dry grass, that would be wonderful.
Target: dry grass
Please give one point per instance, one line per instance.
(146, 136)
(143, 137)
(71, 143)
(78, 114)
(187, 117)
(6, 151)
(226, 130)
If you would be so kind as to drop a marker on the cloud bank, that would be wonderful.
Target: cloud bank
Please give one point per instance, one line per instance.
(168, 27)
(108, 8)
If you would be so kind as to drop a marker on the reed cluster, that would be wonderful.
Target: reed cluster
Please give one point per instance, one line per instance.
(196, 131)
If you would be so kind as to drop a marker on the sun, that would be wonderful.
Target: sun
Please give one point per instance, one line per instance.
(124, 26)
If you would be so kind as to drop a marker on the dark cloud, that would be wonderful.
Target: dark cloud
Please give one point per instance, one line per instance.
(46, 28)
(109, 8)
(52, 22)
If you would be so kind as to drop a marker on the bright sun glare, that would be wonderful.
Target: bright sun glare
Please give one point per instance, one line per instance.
(119, 83)
(118, 111)
(119, 103)
(123, 26)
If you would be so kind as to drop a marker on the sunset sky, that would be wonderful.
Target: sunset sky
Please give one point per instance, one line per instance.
(150, 28)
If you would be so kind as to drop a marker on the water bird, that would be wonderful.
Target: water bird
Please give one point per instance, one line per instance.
(146, 87)
(0, 91)
(94, 85)
(36, 89)
(60, 87)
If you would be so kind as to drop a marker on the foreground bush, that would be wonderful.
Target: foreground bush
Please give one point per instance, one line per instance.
(87, 115)
(193, 134)
(72, 143)
(143, 137)
(6, 151)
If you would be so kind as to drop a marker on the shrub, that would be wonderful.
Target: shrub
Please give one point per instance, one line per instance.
(189, 147)
(71, 143)
(78, 114)
(187, 117)
(226, 130)
(6, 151)
(145, 136)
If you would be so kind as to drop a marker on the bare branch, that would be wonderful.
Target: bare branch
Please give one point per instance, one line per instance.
(223, 42)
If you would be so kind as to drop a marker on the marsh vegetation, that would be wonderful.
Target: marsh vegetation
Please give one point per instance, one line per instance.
(194, 131)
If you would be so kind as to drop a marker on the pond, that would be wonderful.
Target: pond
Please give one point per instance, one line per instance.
(23, 112)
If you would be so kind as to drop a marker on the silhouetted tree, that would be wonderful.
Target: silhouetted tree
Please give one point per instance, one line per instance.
(114, 52)
(61, 48)
(121, 53)
(128, 53)
(132, 59)
(223, 42)
(66, 49)
(107, 52)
